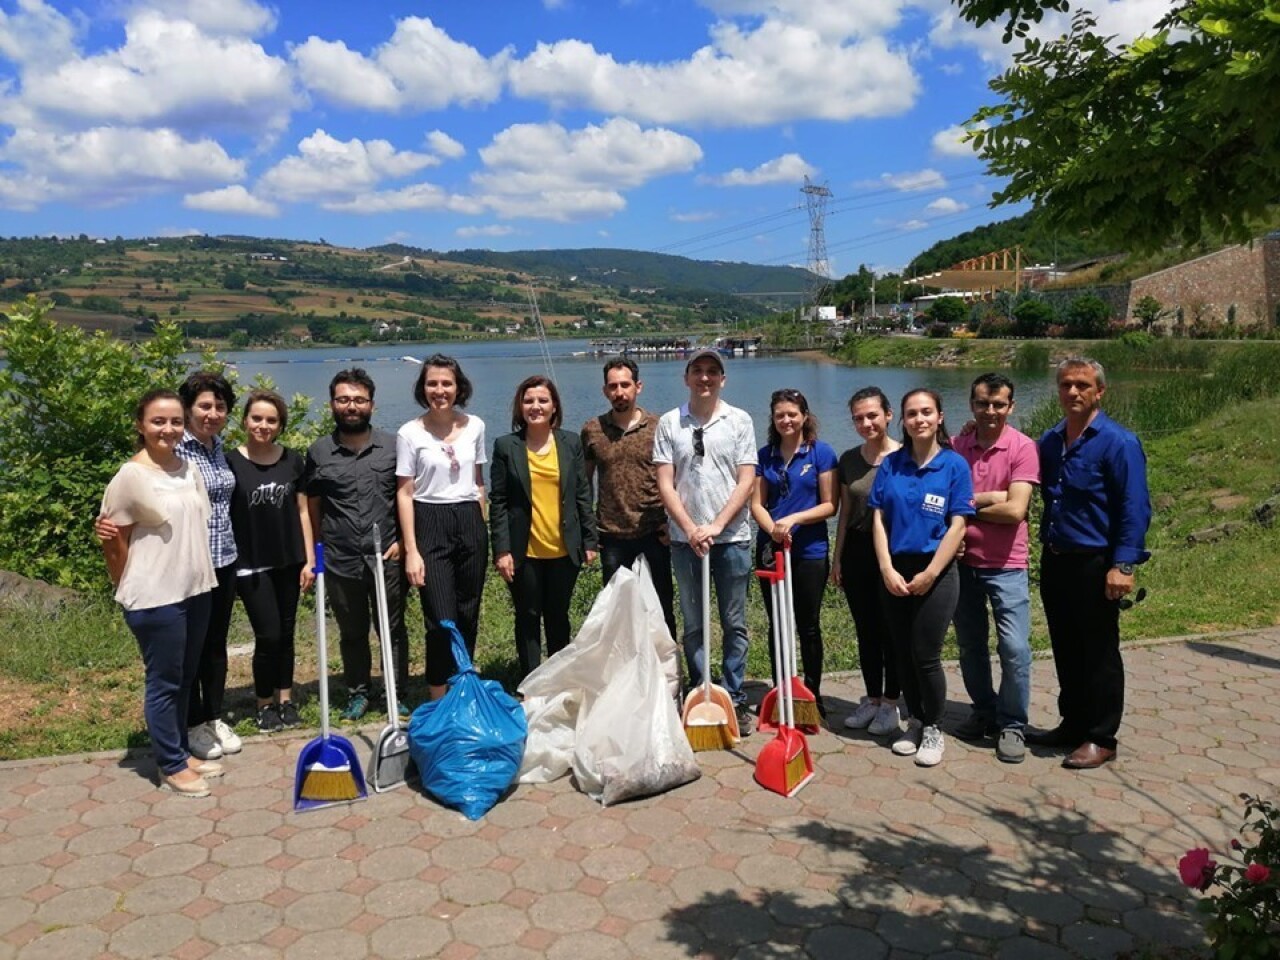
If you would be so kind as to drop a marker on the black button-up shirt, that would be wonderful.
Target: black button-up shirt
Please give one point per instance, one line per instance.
(356, 490)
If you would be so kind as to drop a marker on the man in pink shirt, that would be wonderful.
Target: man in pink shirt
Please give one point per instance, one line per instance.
(1005, 466)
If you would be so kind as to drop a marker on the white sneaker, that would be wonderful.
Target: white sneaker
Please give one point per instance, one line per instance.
(862, 714)
(887, 720)
(909, 742)
(931, 748)
(226, 737)
(202, 742)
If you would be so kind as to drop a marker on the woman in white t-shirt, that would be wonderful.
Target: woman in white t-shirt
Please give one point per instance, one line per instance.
(439, 497)
(163, 572)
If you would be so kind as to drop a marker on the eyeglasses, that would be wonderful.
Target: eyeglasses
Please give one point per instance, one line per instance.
(352, 401)
(699, 449)
(1126, 603)
(454, 466)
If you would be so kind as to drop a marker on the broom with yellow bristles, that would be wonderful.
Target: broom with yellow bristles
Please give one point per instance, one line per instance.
(328, 770)
(709, 719)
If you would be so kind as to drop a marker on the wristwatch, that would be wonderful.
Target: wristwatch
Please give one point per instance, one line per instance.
(1125, 568)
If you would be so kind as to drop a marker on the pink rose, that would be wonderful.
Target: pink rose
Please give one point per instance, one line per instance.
(1197, 868)
(1257, 873)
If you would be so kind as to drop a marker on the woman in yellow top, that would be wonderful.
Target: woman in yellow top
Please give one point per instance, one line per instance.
(540, 518)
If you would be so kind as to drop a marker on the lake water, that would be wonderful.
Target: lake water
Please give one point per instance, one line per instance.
(495, 368)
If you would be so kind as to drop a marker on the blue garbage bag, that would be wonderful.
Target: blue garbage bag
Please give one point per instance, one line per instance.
(468, 745)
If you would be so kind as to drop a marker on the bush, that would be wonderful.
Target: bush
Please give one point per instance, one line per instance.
(66, 425)
(939, 331)
(948, 310)
(1032, 318)
(1087, 317)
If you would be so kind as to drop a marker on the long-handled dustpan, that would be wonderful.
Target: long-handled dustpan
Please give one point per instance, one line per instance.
(710, 721)
(784, 765)
(328, 769)
(808, 719)
(389, 766)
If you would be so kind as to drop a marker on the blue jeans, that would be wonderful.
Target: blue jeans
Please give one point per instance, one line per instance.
(730, 572)
(1010, 597)
(170, 638)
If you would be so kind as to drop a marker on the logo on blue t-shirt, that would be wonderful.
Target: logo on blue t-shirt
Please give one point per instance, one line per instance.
(934, 504)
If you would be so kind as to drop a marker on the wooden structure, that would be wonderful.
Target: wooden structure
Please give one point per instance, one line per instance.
(984, 275)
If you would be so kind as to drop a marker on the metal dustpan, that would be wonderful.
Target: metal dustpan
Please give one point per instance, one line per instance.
(390, 764)
(328, 770)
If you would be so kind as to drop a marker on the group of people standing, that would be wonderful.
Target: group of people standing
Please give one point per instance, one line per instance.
(929, 531)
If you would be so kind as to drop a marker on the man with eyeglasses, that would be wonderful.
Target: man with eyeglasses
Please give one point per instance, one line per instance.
(618, 447)
(350, 481)
(1005, 467)
(705, 452)
(1096, 513)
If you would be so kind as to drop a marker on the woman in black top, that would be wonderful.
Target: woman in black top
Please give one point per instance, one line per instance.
(273, 538)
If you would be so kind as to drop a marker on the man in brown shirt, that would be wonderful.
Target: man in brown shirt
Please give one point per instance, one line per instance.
(618, 446)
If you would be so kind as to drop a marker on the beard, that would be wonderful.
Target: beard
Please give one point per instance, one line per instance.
(353, 423)
(622, 405)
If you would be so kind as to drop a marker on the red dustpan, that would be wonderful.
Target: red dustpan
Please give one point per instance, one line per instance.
(805, 704)
(784, 764)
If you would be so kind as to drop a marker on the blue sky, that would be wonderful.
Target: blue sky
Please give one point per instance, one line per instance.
(666, 125)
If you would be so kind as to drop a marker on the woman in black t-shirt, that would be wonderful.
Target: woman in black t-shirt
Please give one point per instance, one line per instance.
(273, 539)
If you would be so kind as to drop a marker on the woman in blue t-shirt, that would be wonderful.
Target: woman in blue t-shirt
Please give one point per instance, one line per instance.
(921, 497)
(795, 492)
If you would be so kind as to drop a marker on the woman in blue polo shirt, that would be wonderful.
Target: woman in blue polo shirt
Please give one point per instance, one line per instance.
(795, 492)
(921, 497)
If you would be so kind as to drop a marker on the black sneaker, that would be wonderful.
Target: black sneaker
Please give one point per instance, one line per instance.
(976, 727)
(745, 719)
(289, 714)
(269, 718)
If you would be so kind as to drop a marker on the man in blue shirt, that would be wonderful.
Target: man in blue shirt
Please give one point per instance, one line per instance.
(1096, 514)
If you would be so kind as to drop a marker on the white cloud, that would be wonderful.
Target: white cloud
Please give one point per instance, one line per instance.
(951, 143)
(543, 170)
(420, 68)
(167, 72)
(944, 205)
(234, 200)
(418, 196)
(443, 145)
(180, 232)
(827, 16)
(112, 164)
(36, 33)
(328, 169)
(915, 180)
(777, 72)
(24, 191)
(492, 230)
(788, 168)
(694, 216)
(225, 16)
(910, 225)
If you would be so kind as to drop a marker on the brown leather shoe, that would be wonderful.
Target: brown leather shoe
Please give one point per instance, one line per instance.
(1088, 756)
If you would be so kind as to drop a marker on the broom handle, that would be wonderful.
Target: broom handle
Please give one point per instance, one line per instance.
(324, 646)
(706, 625)
(788, 646)
(384, 632)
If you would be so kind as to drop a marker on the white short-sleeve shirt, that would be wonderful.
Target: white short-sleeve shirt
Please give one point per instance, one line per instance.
(169, 557)
(442, 472)
(705, 483)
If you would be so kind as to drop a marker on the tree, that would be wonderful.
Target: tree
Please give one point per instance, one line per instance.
(1087, 317)
(66, 424)
(1149, 311)
(1171, 138)
(948, 310)
(1032, 318)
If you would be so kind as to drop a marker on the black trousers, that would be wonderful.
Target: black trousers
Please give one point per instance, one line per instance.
(211, 675)
(809, 580)
(918, 626)
(354, 602)
(1084, 630)
(454, 542)
(865, 593)
(616, 553)
(540, 592)
(270, 598)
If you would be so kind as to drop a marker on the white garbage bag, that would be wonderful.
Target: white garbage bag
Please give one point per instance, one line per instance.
(605, 705)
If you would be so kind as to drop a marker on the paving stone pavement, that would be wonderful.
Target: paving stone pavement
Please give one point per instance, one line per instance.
(876, 858)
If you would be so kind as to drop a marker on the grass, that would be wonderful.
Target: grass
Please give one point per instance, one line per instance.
(72, 681)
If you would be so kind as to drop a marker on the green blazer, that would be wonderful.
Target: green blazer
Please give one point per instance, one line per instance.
(511, 501)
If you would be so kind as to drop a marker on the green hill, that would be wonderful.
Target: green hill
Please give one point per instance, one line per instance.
(1040, 244)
